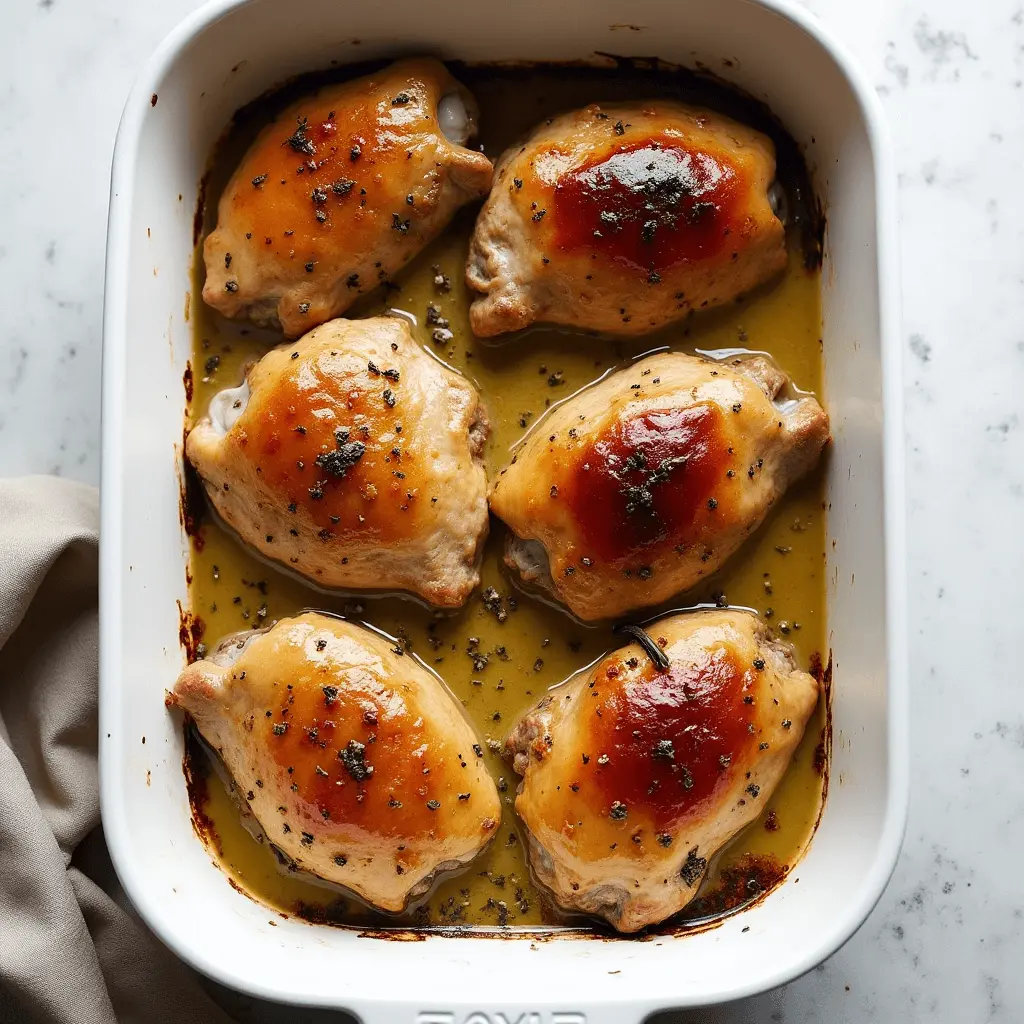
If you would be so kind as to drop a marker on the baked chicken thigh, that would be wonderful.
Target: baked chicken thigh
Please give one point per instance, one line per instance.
(354, 458)
(357, 763)
(340, 191)
(640, 485)
(623, 218)
(635, 775)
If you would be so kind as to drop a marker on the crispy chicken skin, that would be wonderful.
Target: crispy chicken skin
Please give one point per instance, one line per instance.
(639, 486)
(623, 218)
(354, 458)
(341, 191)
(634, 777)
(357, 763)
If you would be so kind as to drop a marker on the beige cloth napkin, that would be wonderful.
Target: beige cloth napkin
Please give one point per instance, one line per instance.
(71, 949)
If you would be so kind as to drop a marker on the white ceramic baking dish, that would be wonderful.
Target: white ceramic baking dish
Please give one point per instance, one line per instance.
(225, 55)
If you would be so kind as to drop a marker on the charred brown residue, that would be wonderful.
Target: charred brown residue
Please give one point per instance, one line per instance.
(190, 633)
(747, 882)
(822, 753)
(189, 382)
(199, 217)
(197, 768)
(152, 100)
(191, 505)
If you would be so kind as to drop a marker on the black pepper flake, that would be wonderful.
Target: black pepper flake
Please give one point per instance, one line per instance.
(518, 182)
(342, 186)
(353, 757)
(620, 128)
(330, 692)
(664, 839)
(753, 789)
(618, 811)
(355, 152)
(759, 663)
(399, 225)
(352, 281)
(494, 604)
(345, 455)
(298, 141)
(258, 180)
(280, 728)
(303, 307)
(654, 277)
(227, 260)
(310, 266)
(786, 723)
(341, 860)
(231, 286)
(433, 805)
(664, 750)
(389, 398)
(478, 750)
(401, 99)
(539, 215)
(693, 868)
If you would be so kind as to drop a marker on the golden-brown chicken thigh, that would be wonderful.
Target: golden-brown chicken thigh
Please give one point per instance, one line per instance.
(634, 489)
(635, 775)
(355, 459)
(340, 192)
(623, 218)
(357, 763)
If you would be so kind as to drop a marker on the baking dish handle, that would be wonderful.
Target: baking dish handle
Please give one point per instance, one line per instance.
(404, 1013)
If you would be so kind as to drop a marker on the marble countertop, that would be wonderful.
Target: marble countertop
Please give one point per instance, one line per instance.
(943, 942)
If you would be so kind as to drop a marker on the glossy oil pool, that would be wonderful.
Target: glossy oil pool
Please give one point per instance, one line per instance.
(779, 571)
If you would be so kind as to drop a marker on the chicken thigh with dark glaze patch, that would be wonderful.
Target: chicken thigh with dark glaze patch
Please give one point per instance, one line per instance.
(623, 218)
(357, 763)
(354, 458)
(340, 192)
(639, 486)
(634, 776)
